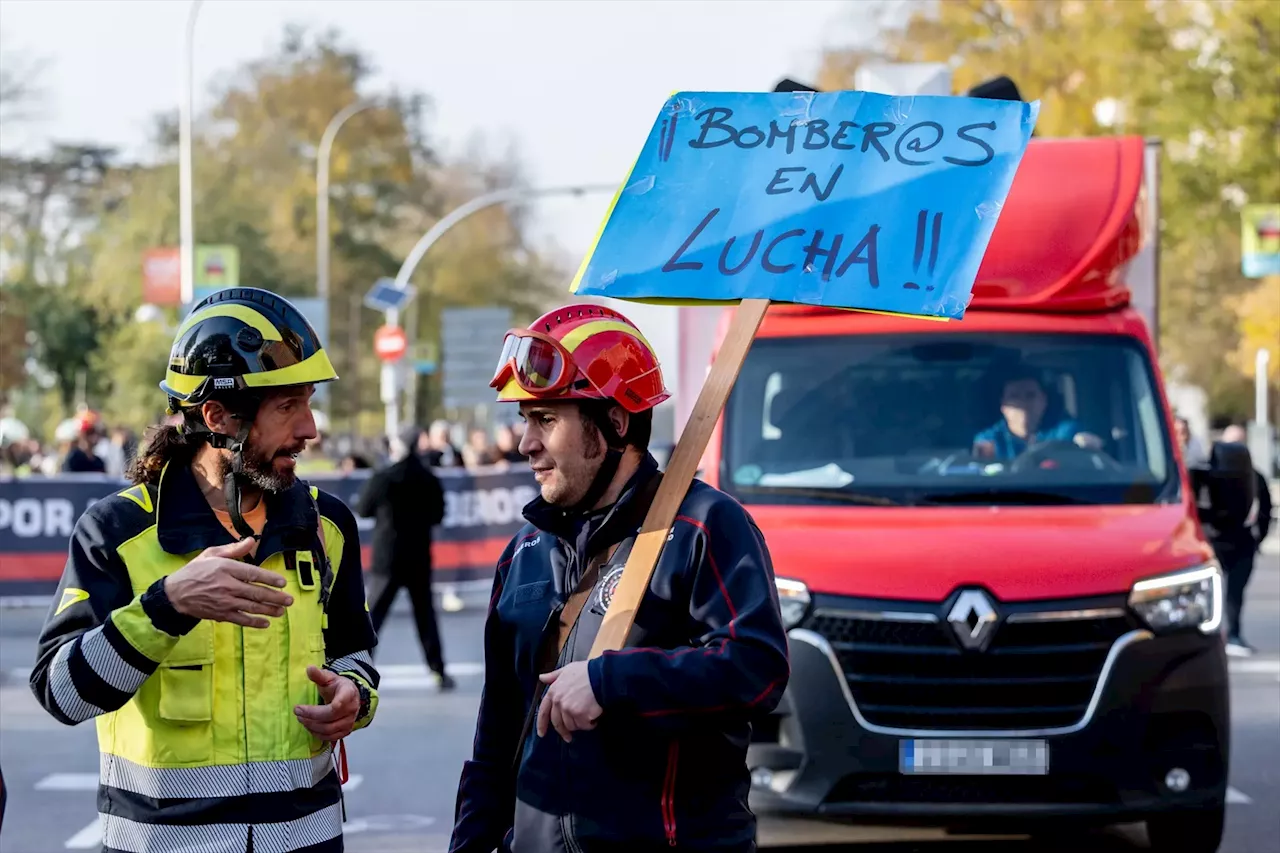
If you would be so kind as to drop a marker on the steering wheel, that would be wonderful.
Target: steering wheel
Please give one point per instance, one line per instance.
(1063, 455)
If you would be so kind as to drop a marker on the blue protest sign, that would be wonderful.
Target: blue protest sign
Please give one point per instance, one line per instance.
(842, 199)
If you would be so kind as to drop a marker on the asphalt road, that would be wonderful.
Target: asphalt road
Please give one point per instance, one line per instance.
(405, 767)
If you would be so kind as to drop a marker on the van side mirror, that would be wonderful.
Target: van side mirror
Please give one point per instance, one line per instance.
(1000, 88)
(1226, 487)
(786, 84)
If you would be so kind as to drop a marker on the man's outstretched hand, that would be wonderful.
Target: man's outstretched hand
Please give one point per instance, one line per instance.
(335, 719)
(569, 704)
(217, 585)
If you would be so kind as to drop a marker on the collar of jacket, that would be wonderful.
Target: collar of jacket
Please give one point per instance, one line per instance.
(562, 524)
(186, 523)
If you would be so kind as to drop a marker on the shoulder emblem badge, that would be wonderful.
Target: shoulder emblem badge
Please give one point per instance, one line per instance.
(71, 596)
(607, 587)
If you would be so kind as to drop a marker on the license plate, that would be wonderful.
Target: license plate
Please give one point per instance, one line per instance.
(974, 757)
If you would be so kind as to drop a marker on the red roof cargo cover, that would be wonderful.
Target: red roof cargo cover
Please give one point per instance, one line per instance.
(1070, 225)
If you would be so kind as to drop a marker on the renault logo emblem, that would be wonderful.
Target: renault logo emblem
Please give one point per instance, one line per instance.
(973, 618)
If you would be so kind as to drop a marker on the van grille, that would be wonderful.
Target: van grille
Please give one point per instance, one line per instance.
(914, 675)
(1060, 788)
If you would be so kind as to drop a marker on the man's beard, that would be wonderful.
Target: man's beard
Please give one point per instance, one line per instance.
(260, 470)
(579, 474)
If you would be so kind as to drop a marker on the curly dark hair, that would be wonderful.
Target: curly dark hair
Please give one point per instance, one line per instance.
(166, 443)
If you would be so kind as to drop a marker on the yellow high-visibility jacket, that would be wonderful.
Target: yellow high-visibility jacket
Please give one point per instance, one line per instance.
(200, 747)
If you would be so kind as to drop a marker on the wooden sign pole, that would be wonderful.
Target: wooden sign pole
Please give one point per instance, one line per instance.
(677, 477)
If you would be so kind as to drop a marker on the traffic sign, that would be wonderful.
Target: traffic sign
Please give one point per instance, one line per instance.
(389, 343)
(471, 339)
(424, 357)
(217, 266)
(385, 296)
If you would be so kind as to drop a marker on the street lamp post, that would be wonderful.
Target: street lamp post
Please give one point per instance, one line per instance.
(322, 193)
(186, 224)
(390, 391)
(1261, 359)
(1261, 433)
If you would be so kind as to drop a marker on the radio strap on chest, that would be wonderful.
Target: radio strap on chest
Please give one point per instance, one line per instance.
(326, 568)
(549, 653)
(568, 618)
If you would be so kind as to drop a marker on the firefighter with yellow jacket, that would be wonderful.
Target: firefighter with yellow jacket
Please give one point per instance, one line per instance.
(211, 618)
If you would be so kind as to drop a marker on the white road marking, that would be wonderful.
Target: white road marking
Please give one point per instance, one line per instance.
(68, 782)
(1238, 797)
(1260, 666)
(415, 676)
(88, 838)
(406, 682)
(401, 669)
(23, 602)
(353, 782)
(403, 823)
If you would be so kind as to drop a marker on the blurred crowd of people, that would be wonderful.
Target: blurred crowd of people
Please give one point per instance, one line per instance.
(445, 444)
(86, 444)
(82, 444)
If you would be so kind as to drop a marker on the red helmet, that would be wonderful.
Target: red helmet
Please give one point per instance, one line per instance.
(89, 422)
(580, 352)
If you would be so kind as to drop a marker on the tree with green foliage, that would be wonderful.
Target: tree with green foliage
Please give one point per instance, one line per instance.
(1200, 76)
(48, 205)
(254, 183)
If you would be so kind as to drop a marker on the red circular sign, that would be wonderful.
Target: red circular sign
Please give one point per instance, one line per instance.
(389, 343)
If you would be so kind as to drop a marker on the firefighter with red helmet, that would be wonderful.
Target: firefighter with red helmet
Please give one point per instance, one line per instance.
(642, 748)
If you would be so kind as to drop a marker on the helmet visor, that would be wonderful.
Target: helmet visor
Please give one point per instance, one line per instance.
(536, 364)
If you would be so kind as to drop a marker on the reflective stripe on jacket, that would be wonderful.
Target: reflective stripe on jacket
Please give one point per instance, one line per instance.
(198, 738)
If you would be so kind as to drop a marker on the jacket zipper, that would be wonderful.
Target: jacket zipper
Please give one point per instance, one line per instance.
(669, 793)
(566, 654)
(566, 820)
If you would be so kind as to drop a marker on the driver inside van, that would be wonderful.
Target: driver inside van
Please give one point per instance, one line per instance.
(1024, 406)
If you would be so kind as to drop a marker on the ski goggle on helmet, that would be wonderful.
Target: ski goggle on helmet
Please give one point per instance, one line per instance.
(580, 352)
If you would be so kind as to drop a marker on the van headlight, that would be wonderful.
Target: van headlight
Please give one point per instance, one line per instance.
(1191, 598)
(793, 599)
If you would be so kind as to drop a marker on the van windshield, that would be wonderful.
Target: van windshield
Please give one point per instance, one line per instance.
(995, 419)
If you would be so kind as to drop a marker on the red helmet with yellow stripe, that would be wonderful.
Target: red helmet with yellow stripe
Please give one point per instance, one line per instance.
(580, 352)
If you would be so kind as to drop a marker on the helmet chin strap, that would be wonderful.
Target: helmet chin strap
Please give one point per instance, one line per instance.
(599, 485)
(235, 481)
(609, 467)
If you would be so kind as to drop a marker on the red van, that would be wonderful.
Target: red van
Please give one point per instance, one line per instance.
(1001, 604)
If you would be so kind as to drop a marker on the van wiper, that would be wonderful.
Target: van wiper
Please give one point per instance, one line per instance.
(833, 494)
(1004, 496)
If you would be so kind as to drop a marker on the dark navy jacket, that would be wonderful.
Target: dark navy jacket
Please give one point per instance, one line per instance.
(665, 766)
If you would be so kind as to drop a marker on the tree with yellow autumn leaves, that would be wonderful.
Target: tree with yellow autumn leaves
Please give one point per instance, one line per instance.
(1200, 76)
